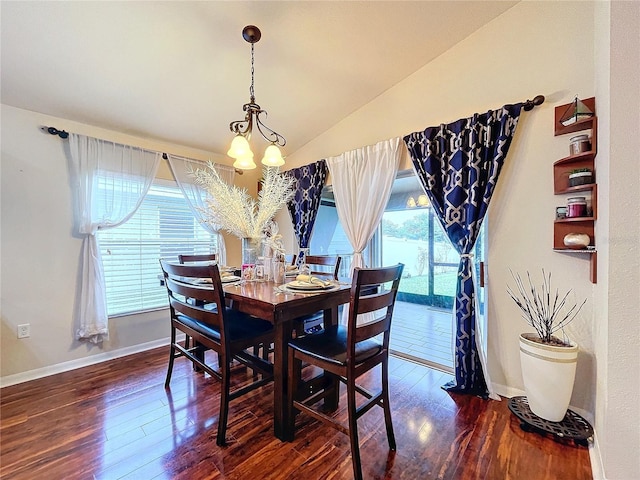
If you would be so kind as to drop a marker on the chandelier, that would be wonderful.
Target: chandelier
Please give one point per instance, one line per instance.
(240, 149)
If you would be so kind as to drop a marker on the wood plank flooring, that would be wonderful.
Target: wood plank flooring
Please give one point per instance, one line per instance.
(115, 420)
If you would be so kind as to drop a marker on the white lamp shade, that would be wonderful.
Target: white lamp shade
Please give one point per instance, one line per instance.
(239, 147)
(245, 163)
(272, 156)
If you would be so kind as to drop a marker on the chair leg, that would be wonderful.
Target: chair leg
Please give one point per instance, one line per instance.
(225, 370)
(256, 353)
(353, 428)
(172, 352)
(294, 372)
(387, 407)
(199, 353)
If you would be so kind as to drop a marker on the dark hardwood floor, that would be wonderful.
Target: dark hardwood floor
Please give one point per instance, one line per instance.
(115, 420)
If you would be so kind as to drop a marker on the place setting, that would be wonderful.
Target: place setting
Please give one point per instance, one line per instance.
(226, 277)
(308, 284)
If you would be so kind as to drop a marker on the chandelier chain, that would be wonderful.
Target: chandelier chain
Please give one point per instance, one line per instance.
(251, 92)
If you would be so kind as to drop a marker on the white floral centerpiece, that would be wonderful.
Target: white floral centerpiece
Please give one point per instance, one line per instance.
(273, 241)
(237, 212)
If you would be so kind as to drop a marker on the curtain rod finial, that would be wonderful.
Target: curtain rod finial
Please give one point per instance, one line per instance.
(55, 131)
(529, 104)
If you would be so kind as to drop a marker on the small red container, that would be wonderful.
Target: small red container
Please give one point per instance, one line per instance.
(576, 207)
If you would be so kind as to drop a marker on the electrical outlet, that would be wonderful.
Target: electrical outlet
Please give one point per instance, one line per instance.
(24, 330)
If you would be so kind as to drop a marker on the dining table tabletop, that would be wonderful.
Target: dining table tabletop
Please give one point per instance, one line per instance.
(282, 305)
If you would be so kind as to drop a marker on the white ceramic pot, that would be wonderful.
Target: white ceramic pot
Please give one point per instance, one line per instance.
(548, 372)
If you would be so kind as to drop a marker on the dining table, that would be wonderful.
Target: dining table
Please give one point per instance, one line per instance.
(282, 306)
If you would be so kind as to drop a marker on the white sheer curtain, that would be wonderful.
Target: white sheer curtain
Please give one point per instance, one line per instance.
(110, 181)
(196, 196)
(362, 181)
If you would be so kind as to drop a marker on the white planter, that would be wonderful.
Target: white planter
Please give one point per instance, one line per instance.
(548, 372)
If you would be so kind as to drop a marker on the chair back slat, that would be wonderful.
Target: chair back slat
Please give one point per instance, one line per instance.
(373, 329)
(202, 293)
(206, 257)
(197, 312)
(331, 264)
(371, 293)
(375, 302)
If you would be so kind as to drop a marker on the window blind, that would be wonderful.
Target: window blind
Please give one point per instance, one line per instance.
(163, 227)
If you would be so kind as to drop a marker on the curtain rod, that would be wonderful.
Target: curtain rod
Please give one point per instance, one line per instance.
(64, 134)
(527, 105)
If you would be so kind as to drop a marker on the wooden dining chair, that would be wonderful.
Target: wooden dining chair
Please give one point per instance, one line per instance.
(326, 265)
(205, 257)
(345, 353)
(211, 324)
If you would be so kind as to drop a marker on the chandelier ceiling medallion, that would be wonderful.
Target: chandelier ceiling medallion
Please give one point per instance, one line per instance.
(240, 149)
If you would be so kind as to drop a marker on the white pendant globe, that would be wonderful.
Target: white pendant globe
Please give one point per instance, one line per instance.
(245, 163)
(272, 156)
(239, 147)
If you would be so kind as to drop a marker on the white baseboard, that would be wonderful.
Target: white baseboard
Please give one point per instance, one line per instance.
(81, 362)
(597, 469)
(508, 392)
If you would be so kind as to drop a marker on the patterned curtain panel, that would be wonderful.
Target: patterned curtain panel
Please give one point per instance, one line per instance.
(303, 207)
(458, 165)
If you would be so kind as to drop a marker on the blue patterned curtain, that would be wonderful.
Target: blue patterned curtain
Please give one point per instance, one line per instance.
(303, 207)
(458, 165)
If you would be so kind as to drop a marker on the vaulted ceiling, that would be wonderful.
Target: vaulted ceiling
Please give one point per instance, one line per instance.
(180, 71)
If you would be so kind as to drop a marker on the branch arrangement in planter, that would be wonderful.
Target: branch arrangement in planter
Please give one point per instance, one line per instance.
(548, 363)
(543, 310)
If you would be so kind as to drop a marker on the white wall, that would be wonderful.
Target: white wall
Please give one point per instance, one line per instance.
(40, 253)
(533, 48)
(617, 294)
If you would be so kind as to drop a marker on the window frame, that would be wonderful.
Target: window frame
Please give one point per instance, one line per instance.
(207, 244)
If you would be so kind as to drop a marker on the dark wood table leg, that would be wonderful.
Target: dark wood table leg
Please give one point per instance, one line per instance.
(280, 399)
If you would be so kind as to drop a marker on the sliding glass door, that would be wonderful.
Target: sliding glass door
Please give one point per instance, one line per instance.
(410, 233)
